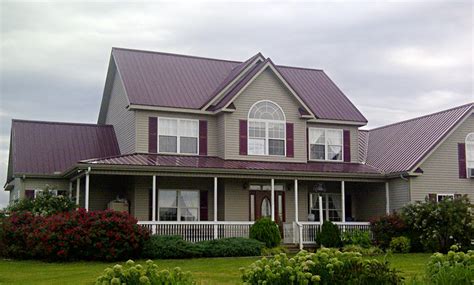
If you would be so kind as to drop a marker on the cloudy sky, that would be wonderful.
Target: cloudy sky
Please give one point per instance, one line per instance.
(394, 60)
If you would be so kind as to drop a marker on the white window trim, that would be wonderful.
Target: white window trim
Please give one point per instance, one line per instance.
(178, 208)
(325, 202)
(326, 152)
(467, 144)
(261, 185)
(444, 195)
(178, 137)
(267, 138)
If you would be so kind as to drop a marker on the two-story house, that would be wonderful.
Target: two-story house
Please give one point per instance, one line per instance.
(203, 147)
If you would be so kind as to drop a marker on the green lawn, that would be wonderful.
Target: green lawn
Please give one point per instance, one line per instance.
(206, 270)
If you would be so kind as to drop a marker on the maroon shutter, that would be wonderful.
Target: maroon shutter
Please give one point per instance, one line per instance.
(152, 134)
(290, 144)
(432, 197)
(202, 137)
(462, 160)
(347, 145)
(203, 208)
(243, 137)
(30, 194)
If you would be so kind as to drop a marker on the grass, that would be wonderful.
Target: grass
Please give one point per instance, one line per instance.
(206, 270)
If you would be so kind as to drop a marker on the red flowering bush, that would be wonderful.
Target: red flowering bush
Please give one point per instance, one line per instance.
(384, 228)
(95, 235)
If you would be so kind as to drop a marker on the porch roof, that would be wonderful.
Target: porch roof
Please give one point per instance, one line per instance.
(203, 162)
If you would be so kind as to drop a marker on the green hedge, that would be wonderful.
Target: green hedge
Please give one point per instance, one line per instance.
(265, 230)
(169, 247)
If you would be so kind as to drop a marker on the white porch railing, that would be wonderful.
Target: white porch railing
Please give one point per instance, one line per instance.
(305, 232)
(199, 231)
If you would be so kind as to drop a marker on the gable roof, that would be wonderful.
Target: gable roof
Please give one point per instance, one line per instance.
(400, 147)
(47, 148)
(180, 81)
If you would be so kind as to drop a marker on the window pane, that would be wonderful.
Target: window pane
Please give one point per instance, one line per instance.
(316, 136)
(334, 152)
(256, 146)
(276, 131)
(188, 145)
(188, 214)
(256, 130)
(266, 208)
(189, 199)
(188, 128)
(276, 147)
(168, 144)
(255, 187)
(267, 111)
(167, 198)
(334, 137)
(278, 187)
(168, 214)
(168, 127)
(252, 207)
(317, 151)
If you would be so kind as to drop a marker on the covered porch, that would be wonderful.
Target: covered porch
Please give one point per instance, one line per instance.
(199, 206)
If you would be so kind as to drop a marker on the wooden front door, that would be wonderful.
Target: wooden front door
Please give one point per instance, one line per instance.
(260, 205)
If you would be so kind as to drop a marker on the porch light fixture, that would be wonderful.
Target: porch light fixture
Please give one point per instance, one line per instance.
(319, 188)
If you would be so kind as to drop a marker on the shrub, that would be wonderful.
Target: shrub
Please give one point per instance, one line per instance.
(326, 266)
(266, 231)
(95, 235)
(229, 247)
(132, 274)
(386, 227)
(44, 204)
(357, 237)
(370, 251)
(441, 224)
(274, 251)
(451, 268)
(400, 245)
(167, 247)
(329, 236)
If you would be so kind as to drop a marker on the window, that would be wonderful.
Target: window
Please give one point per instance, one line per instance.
(178, 205)
(325, 144)
(266, 129)
(265, 187)
(178, 135)
(441, 197)
(470, 150)
(332, 206)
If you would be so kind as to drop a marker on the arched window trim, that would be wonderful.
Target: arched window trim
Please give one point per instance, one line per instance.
(470, 148)
(266, 122)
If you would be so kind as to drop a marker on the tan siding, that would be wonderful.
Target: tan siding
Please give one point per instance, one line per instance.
(441, 173)
(265, 87)
(122, 119)
(105, 188)
(399, 193)
(142, 186)
(54, 184)
(302, 202)
(142, 128)
(354, 136)
(368, 200)
(236, 201)
(220, 133)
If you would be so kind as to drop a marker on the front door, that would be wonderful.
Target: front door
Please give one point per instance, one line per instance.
(261, 205)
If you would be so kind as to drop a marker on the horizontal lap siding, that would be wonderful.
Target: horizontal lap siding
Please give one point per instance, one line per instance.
(368, 199)
(142, 128)
(399, 193)
(441, 170)
(265, 87)
(220, 133)
(105, 188)
(236, 200)
(354, 136)
(122, 119)
(54, 184)
(302, 203)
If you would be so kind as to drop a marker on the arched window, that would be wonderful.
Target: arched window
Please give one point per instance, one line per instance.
(266, 129)
(470, 150)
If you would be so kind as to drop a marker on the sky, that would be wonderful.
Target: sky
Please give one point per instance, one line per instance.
(395, 60)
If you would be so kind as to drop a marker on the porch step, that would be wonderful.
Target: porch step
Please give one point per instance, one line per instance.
(291, 248)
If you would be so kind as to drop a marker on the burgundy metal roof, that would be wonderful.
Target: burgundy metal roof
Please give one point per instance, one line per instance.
(400, 146)
(139, 159)
(179, 81)
(52, 147)
(363, 144)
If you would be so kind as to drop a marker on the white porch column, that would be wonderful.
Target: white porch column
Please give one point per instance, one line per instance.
(70, 189)
(343, 200)
(78, 190)
(215, 208)
(153, 197)
(86, 203)
(296, 200)
(321, 220)
(273, 200)
(387, 198)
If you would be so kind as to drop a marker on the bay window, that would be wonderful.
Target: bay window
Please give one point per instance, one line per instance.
(325, 144)
(178, 205)
(266, 129)
(178, 136)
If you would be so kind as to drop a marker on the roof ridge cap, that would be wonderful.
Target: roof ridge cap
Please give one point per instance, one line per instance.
(422, 117)
(175, 54)
(300, 67)
(61, 123)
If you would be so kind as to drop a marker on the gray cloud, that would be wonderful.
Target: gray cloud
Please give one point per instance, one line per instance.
(393, 60)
